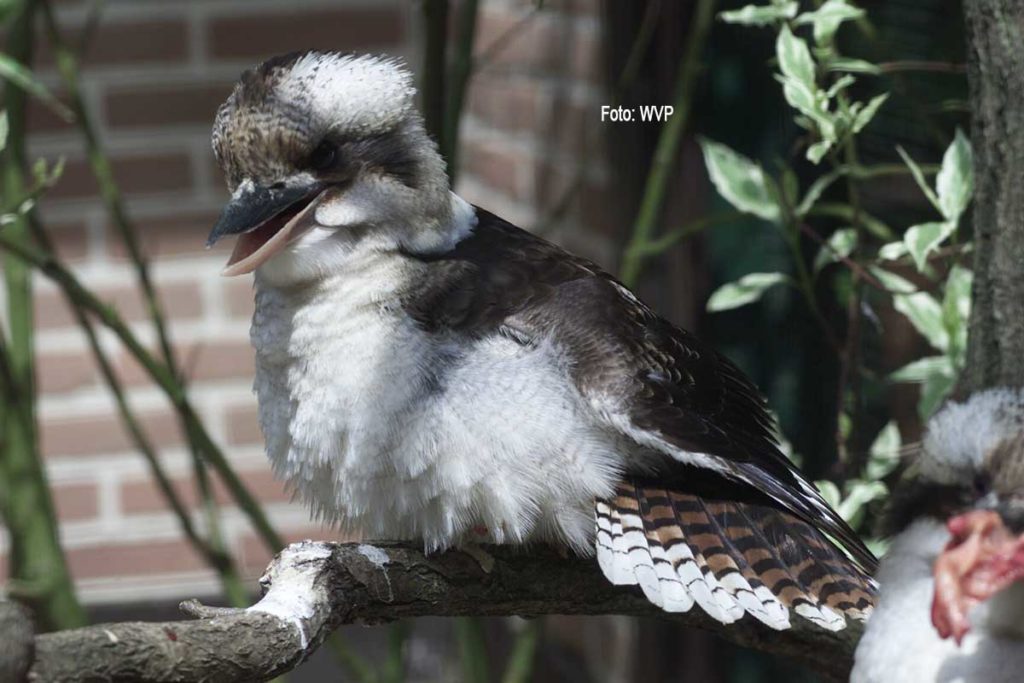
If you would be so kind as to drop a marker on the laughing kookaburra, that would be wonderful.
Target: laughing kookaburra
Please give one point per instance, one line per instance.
(951, 607)
(427, 371)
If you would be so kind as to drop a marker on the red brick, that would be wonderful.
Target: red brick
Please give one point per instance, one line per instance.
(207, 360)
(239, 298)
(139, 497)
(62, 372)
(185, 103)
(184, 233)
(129, 42)
(76, 501)
(180, 301)
(127, 559)
(243, 425)
(263, 35)
(70, 239)
(535, 43)
(42, 119)
(572, 128)
(496, 166)
(164, 172)
(508, 105)
(103, 433)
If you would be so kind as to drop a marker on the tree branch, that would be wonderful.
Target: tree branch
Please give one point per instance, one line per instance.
(312, 588)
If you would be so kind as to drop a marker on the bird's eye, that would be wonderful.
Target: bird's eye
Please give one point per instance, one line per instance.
(323, 156)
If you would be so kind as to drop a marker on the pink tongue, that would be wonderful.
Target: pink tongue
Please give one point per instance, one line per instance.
(253, 249)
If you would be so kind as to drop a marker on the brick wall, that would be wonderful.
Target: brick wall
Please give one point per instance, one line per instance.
(154, 77)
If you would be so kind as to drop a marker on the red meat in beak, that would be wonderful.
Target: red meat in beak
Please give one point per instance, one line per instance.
(982, 558)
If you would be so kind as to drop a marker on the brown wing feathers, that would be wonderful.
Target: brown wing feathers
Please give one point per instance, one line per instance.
(730, 557)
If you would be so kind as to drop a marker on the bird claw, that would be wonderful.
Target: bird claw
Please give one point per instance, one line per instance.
(482, 557)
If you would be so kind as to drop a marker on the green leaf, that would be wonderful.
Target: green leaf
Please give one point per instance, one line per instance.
(4, 129)
(842, 82)
(20, 76)
(817, 151)
(864, 116)
(933, 390)
(827, 18)
(921, 240)
(857, 66)
(795, 59)
(884, 452)
(740, 181)
(830, 492)
(858, 494)
(894, 283)
(956, 312)
(747, 289)
(920, 370)
(955, 182)
(756, 15)
(815, 191)
(918, 174)
(925, 314)
(839, 245)
(892, 251)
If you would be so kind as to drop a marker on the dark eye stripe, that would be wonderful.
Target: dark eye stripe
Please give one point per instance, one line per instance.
(913, 499)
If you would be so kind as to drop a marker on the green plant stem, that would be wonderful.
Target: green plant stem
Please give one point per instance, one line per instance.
(847, 383)
(472, 649)
(432, 85)
(37, 562)
(845, 212)
(110, 193)
(393, 667)
(458, 81)
(638, 50)
(695, 226)
(667, 149)
(519, 668)
(157, 370)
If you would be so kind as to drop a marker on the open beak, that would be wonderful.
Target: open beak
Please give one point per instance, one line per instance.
(266, 219)
(982, 558)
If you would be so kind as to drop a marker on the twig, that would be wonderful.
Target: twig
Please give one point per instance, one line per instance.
(668, 143)
(314, 587)
(157, 370)
(860, 270)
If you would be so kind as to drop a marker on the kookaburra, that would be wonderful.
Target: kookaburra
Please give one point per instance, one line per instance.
(427, 371)
(951, 607)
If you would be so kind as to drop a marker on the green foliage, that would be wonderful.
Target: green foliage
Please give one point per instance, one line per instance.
(741, 181)
(815, 80)
(747, 289)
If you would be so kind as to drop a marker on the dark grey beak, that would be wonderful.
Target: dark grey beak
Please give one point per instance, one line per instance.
(252, 205)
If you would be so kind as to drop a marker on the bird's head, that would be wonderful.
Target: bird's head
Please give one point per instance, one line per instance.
(322, 150)
(968, 480)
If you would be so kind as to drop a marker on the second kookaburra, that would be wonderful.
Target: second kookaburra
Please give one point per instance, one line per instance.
(427, 371)
(951, 608)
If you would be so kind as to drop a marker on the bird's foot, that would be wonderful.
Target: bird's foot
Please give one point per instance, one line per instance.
(482, 557)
